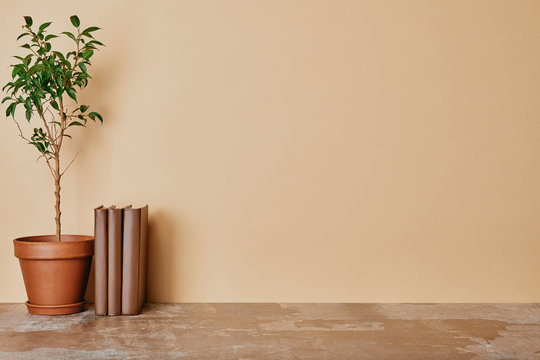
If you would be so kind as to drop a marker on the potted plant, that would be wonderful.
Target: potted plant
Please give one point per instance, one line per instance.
(55, 268)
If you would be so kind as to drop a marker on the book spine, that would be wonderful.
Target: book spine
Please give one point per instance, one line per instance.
(100, 261)
(115, 262)
(143, 258)
(130, 275)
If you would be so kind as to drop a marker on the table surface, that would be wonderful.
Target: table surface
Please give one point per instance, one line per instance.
(278, 331)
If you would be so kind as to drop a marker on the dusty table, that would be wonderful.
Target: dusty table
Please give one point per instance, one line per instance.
(278, 331)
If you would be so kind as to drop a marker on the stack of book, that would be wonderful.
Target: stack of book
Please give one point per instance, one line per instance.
(120, 259)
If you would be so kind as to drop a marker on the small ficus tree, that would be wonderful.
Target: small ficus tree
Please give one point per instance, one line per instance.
(41, 82)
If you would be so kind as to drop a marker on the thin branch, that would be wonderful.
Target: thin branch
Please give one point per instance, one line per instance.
(48, 164)
(54, 126)
(25, 138)
(20, 130)
(62, 122)
(77, 58)
(71, 162)
(42, 115)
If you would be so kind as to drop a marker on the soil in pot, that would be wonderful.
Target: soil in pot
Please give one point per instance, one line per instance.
(55, 273)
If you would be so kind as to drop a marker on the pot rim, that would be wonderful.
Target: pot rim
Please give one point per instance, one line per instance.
(33, 239)
(44, 247)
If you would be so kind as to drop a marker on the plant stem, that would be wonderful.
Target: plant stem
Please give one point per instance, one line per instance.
(57, 173)
(57, 177)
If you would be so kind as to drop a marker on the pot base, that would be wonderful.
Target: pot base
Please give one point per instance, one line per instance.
(56, 309)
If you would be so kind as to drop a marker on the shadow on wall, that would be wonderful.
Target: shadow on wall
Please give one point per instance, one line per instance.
(162, 239)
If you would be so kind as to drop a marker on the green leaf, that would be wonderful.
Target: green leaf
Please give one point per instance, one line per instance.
(27, 59)
(91, 29)
(70, 35)
(15, 71)
(87, 31)
(83, 67)
(49, 37)
(95, 42)
(75, 123)
(44, 26)
(94, 114)
(54, 104)
(83, 108)
(39, 146)
(87, 54)
(11, 109)
(28, 114)
(59, 54)
(37, 101)
(72, 94)
(75, 20)
(22, 35)
(28, 20)
(26, 46)
(8, 85)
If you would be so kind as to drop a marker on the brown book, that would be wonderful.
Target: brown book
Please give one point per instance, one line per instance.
(114, 285)
(100, 259)
(134, 260)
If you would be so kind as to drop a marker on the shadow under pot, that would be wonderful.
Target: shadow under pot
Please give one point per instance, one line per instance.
(55, 273)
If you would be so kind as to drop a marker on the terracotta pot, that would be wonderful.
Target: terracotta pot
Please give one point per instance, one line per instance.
(55, 273)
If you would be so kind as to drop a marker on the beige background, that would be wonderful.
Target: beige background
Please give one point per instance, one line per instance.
(352, 151)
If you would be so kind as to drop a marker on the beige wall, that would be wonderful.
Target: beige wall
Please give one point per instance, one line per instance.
(352, 151)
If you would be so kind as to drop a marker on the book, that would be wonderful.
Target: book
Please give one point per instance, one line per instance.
(114, 284)
(100, 259)
(134, 262)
